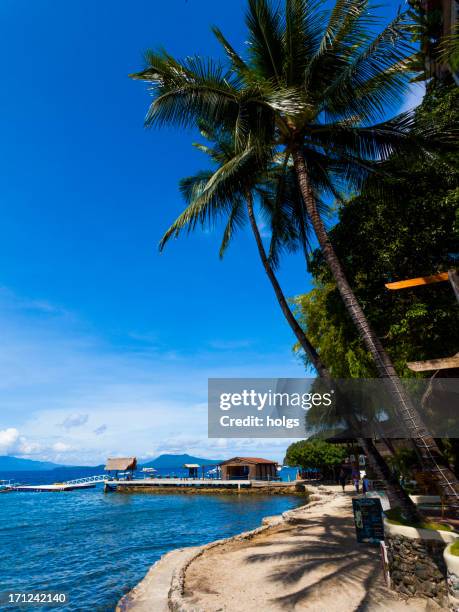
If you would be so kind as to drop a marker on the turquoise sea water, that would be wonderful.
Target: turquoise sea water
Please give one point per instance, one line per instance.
(97, 546)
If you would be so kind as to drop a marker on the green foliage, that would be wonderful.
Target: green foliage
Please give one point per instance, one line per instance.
(437, 50)
(329, 329)
(403, 460)
(394, 516)
(314, 454)
(404, 224)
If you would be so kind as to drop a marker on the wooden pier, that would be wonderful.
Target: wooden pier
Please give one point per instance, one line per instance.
(53, 488)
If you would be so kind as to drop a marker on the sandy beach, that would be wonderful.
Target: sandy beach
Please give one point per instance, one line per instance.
(306, 560)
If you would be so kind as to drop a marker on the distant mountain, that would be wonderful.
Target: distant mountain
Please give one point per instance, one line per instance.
(170, 462)
(15, 464)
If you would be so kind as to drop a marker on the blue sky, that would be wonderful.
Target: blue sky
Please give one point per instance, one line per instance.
(106, 346)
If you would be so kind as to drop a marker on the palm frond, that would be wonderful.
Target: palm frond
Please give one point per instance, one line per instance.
(347, 31)
(303, 29)
(265, 39)
(235, 59)
(197, 212)
(379, 70)
(373, 143)
(187, 91)
(237, 219)
(448, 49)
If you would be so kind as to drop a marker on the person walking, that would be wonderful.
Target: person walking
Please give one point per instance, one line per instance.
(342, 479)
(356, 480)
(365, 484)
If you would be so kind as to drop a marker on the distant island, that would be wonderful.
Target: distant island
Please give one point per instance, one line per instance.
(168, 462)
(16, 464)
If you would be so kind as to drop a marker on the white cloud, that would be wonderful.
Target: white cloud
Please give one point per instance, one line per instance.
(61, 447)
(75, 420)
(13, 302)
(100, 430)
(11, 442)
(61, 385)
(220, 448)
(8, 440)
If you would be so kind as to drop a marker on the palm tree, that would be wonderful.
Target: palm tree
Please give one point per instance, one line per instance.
(233, 195)
(231, 192)
(318, 91)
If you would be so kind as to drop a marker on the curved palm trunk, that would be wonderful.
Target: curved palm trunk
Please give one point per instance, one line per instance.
(295, 326)
(426, 446)
(396, 494)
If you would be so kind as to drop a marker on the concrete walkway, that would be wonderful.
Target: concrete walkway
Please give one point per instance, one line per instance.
(151, 594)
(314, 564)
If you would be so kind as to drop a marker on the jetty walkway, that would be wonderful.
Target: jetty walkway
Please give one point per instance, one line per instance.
(308, 559)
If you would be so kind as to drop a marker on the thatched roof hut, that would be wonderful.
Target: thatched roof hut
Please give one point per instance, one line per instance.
(121, 464)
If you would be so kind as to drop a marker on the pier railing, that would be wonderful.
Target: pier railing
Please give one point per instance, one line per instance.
(88, 479)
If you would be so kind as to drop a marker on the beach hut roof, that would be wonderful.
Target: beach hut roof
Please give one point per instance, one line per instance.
(191, 465)
(120, 464)
(253, 460)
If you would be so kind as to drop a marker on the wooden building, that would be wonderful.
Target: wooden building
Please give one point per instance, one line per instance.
(248, 468)
(121, 464)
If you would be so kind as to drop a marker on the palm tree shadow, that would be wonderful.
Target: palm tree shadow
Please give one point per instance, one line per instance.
(350, 573)
(335, 551)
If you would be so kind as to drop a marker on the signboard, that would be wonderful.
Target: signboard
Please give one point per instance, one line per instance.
(385, 503)
(368, 519)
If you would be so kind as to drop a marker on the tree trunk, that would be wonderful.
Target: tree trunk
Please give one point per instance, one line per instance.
(426, 447)
(383, 472)
(397, 495)
(295, 326)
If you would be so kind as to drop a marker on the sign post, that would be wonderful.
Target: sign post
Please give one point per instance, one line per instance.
(368, 519)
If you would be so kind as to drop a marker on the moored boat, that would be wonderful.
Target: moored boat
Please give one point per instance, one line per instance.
(6, 486)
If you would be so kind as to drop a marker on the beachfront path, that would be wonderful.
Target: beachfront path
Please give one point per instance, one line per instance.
(314, 564)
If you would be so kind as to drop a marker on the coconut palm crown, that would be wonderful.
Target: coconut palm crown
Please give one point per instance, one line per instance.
(227, 191)
(322, 85)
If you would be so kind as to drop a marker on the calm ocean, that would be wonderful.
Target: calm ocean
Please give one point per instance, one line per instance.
(97, 546)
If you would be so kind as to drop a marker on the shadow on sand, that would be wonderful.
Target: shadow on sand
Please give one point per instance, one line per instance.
(343, 563)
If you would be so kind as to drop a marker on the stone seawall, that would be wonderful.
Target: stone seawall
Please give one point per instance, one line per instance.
(417, 567)
(298, 489)
(416, 562)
